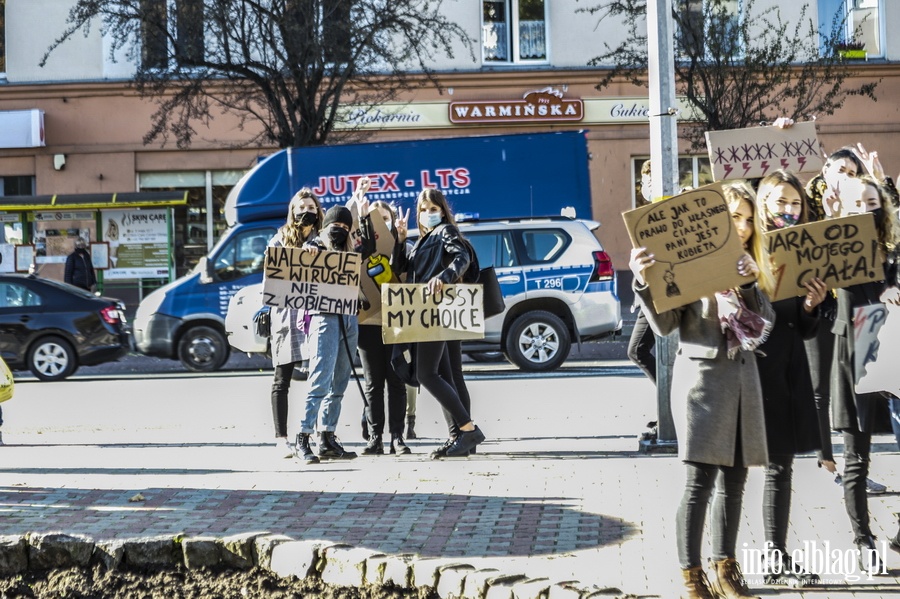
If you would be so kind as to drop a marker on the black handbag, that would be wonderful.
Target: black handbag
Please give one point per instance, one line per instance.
(263, 321)
(493, 296)
(403, 361)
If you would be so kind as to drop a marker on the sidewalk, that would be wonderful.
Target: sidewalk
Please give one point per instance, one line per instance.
(558, 490)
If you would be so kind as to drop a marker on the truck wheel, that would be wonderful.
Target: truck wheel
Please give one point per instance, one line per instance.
(538, 341)
(203, 349)
(52, 359)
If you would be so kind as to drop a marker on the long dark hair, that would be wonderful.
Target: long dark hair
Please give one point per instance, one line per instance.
(770, 182)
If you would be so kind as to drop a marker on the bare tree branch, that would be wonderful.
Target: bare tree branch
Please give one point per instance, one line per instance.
(286, 66)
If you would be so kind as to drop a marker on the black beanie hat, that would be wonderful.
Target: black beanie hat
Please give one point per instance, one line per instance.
(338, 214)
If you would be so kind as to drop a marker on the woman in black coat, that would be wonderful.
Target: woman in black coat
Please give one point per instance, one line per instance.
(792, 423)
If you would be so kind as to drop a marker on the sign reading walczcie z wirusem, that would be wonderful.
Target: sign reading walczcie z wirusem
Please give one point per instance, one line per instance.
(323, 282)
(410, 312)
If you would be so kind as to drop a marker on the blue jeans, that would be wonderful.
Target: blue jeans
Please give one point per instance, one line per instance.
(329, 370)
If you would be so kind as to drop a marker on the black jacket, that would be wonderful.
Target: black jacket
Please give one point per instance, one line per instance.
(438, 253)
(79, 270)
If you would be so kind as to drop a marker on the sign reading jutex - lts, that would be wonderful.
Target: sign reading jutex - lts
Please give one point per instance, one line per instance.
(323, 281)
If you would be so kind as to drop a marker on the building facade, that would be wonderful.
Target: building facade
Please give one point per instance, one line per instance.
(76, 127)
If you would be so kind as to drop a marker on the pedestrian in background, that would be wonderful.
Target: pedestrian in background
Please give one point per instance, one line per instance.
(79, 270)
(716, 402)
(289, 326)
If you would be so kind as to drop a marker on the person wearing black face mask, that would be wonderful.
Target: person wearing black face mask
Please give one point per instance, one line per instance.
(288, 335)
(330, 337)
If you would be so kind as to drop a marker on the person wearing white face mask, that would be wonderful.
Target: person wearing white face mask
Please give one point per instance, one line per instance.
(440, 258)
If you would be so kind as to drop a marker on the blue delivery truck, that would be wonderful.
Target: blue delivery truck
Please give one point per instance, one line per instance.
(499, 176)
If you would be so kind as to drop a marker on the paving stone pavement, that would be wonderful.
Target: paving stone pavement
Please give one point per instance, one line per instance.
(558, 490)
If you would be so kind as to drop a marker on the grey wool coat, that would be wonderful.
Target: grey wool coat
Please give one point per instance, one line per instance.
(709, 390)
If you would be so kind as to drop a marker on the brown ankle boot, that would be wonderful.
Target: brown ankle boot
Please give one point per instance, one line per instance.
(728, 581)
(696, 585)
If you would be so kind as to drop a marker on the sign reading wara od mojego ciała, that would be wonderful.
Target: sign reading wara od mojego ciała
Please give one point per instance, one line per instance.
(410, 313)
(539, 106)
(841, 251)
(323, 282)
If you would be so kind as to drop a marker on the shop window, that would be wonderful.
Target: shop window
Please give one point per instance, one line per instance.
(188, 34)
(514, 31)
(693, 171)
(855, 24)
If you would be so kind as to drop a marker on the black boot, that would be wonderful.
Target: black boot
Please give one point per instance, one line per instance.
(398, 445)
(303, 451)
(375, 446)
(869, 560)
(411, 427)
(330, 449)
(894, 542)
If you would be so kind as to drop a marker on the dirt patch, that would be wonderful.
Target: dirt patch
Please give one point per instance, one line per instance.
(98, 583)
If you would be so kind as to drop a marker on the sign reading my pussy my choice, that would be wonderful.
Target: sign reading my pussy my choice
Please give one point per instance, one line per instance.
(324, 281)
(694, 243)
(410, 312)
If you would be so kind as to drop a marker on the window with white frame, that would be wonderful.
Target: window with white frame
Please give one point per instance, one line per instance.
(514, 31)
(693, 171)
(858, 25)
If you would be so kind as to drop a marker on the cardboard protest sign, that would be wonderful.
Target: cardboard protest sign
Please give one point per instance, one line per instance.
(376, 269)
(841, 251)
(876, 330)
(325, 281)
(409, 313)
(756, 151)
(695, 245)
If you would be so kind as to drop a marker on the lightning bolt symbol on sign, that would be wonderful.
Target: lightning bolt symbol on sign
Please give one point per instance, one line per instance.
(728, 168)
(746, 166)
(802, 161)
(765, 166)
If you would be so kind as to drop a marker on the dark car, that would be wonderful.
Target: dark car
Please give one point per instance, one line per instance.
(52, 328)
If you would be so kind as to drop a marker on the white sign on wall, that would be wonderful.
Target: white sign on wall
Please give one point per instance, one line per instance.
(138, 243)
(22, 128)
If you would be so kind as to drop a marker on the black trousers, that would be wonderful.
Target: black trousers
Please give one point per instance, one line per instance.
(281, 386)
(820, 352)
(435, 375)
(640, 346)
(857, 447)
(777, 499)
(726, 509)
(454, 351)
(376, 363)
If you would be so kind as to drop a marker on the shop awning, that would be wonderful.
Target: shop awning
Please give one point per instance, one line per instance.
(94, 201)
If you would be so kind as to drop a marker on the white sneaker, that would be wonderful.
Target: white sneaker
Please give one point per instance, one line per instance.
(284, 449)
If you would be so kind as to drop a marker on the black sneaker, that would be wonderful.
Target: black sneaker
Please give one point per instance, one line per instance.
(441, 452)
(465, 441)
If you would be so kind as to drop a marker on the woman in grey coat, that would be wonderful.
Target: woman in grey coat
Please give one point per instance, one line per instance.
(288, 327)
(717, 407)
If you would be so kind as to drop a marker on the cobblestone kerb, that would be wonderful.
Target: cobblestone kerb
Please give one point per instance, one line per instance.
(335, 564)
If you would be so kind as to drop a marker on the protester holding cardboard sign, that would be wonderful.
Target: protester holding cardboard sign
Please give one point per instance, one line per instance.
(791, 415)
(716, 401)
(288, 326)
(854, 413)
(439, 257)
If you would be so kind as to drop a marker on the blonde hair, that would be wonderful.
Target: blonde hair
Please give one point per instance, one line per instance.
(769, 183)
(291, 231)
(735, 193)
